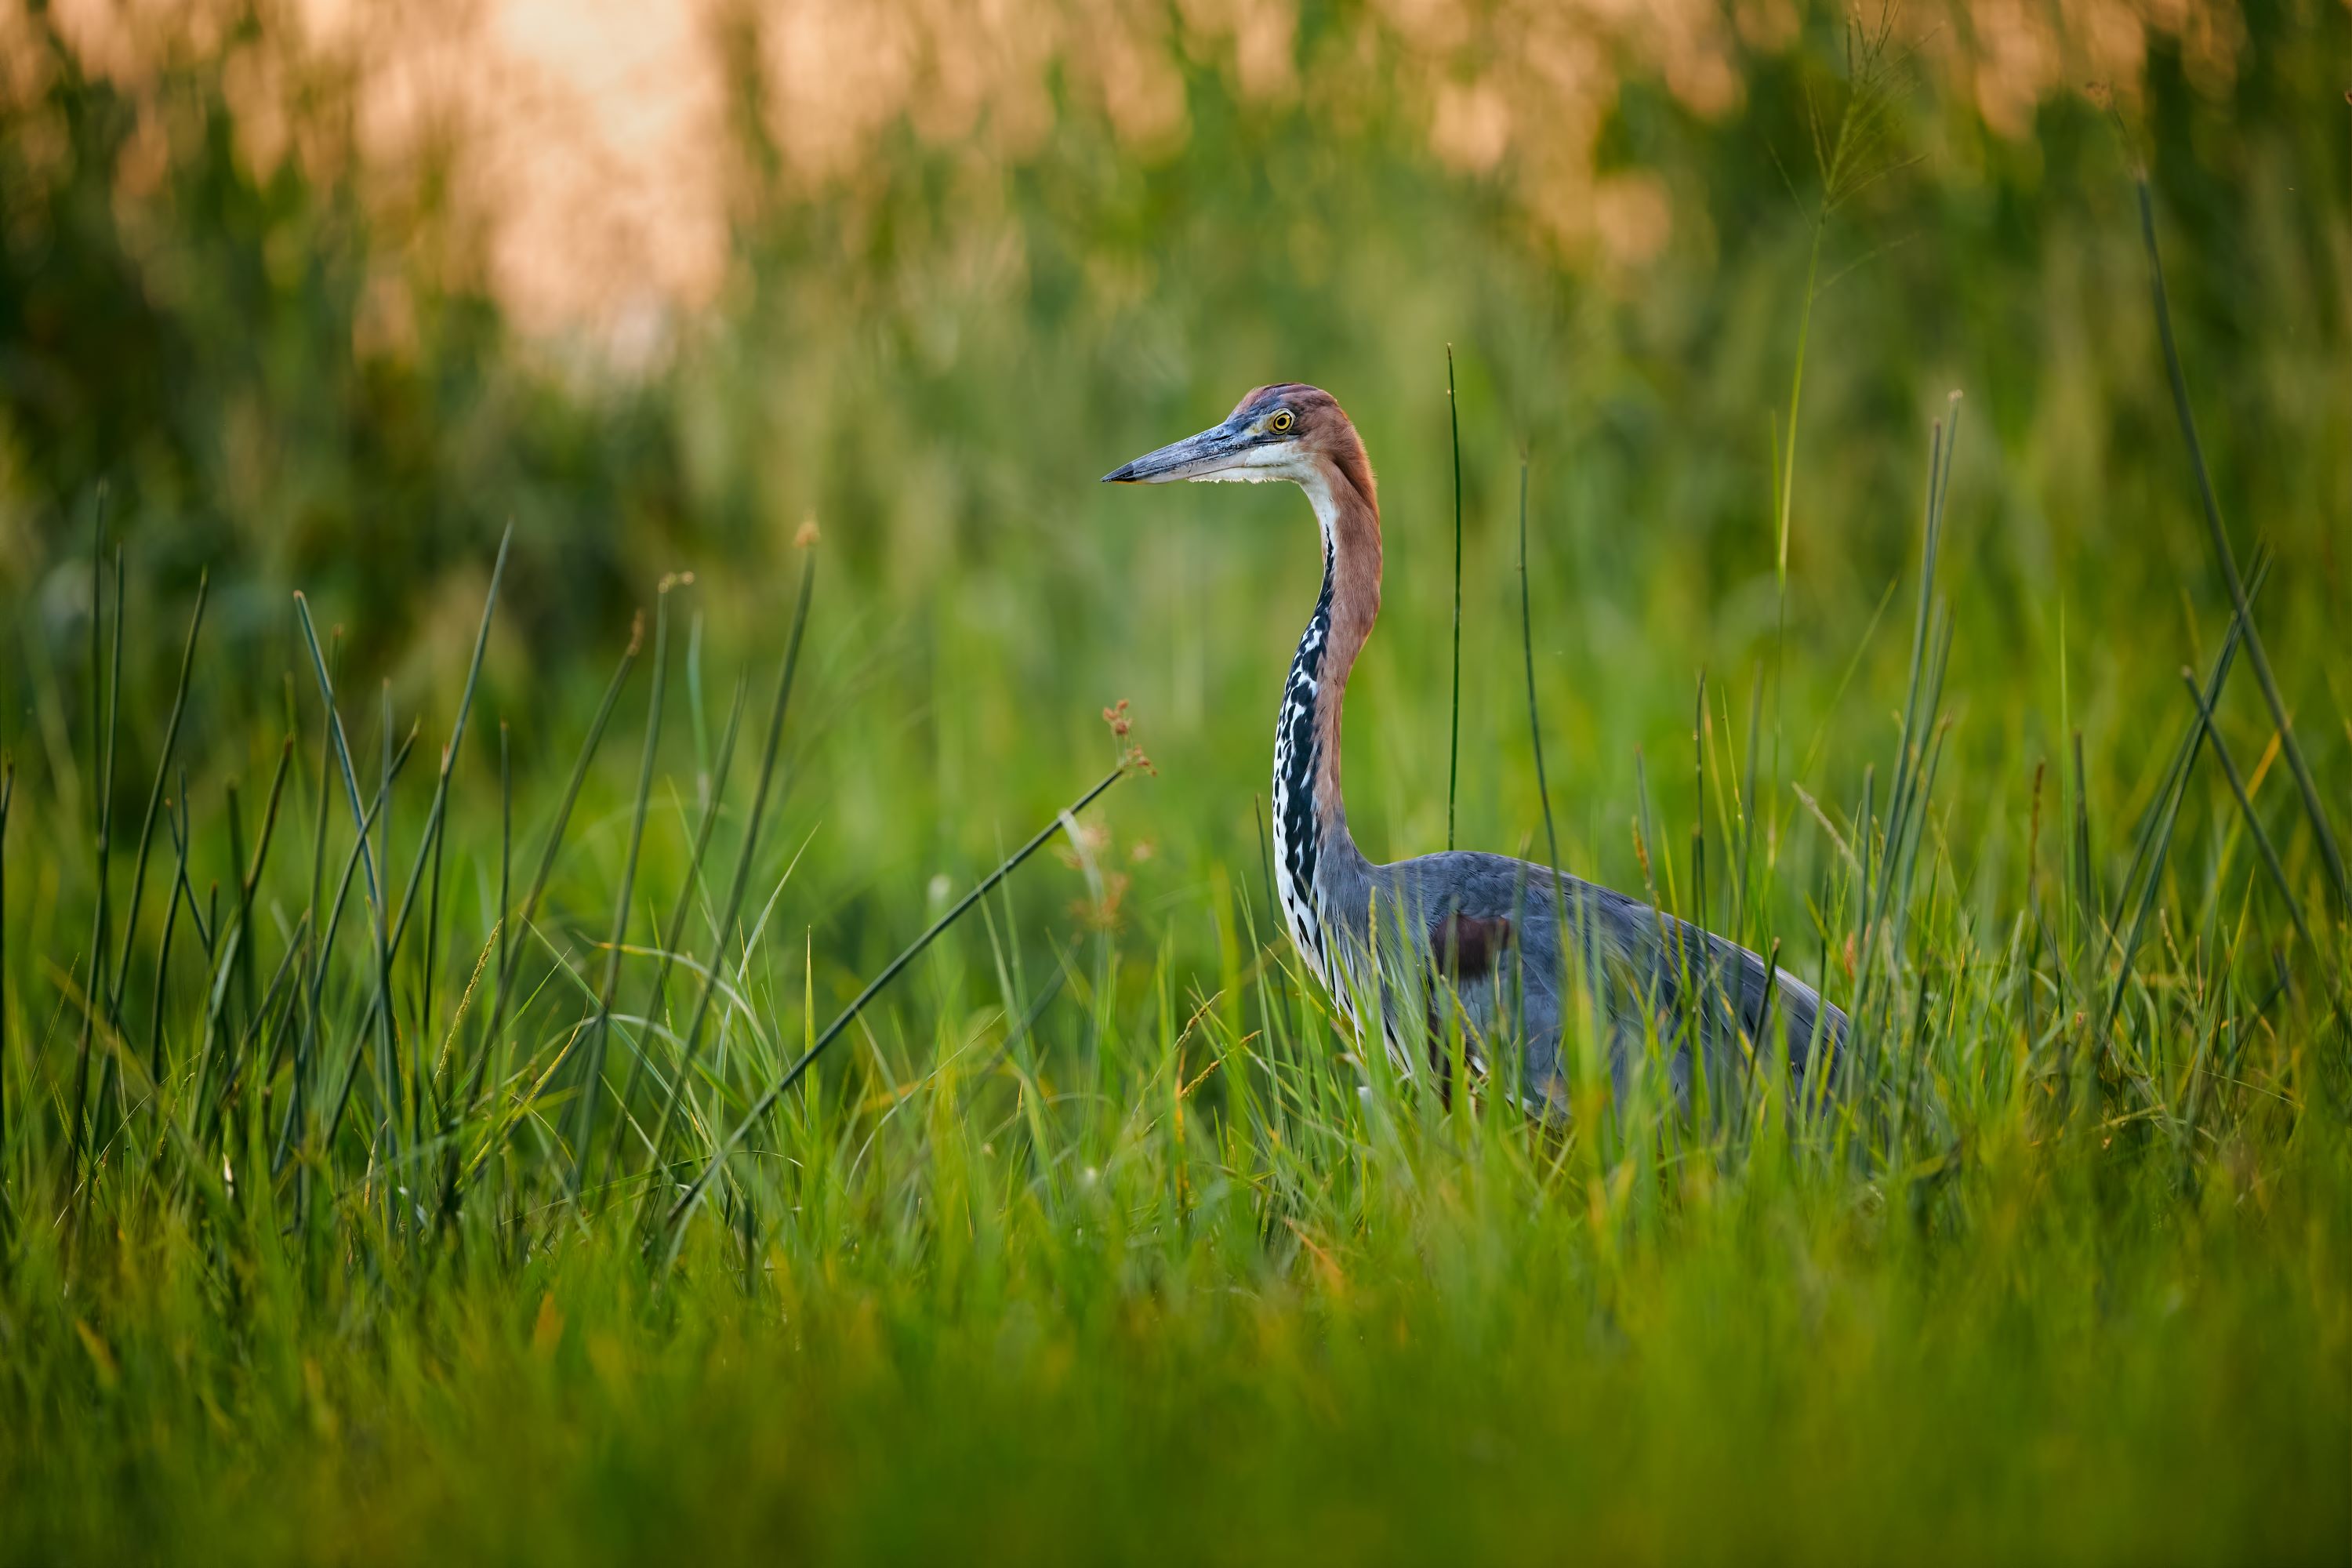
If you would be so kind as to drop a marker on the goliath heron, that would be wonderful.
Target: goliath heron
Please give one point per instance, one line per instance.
(1494, 932)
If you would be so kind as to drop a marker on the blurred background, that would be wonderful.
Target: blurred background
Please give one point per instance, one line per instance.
(326, 296)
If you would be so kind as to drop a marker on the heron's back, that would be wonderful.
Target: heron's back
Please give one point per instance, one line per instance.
(1491, 927)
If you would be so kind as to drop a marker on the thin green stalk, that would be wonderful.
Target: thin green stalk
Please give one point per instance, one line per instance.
(2330, 855)
(1453, 750)
(2184, 750)
(235, 815)
(1691, 1020)
(247, 879)
(1882, 909)
(592, 1071)
(436, 815)
(394, 1084)
(1888, 873)
(438, 840)
(714, 793)
(244, 1044)
(2093, 918)
(1534, 736)
(7, 798)
(1787, 455)
(106, 699)
(1905, 838)
(306, 1044)
(1917, 716)
(744, 857)
(155, 797)
(1748, 810)
(327, 943)
(1535, 723)
(436, 831)
(146, 837)
(502, 936)
(250, 879)
(702, 784)
(523, 916)
(2261, 839)
(510, 916)
(554, 843)
(506, 886)
(775, 1091)
(342, 740)
(2033, 896)
(215, 1006)
(183, 841)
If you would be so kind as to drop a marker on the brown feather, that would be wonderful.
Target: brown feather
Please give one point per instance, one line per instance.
(1465, 946)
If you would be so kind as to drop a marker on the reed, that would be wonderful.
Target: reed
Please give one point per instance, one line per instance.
(743, 860)
(1453, 708)
(592, 1069)
(2226, 559)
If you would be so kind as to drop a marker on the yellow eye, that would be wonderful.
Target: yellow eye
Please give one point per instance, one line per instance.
(1281, 421)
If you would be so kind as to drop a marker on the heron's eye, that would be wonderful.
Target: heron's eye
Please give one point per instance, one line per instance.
(1281, 421)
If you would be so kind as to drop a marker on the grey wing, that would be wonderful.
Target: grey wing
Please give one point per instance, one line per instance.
(1659, 986)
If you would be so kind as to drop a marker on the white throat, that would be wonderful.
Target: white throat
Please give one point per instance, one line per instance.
(1264, 465)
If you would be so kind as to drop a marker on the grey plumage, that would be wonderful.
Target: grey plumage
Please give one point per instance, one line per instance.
(1657, 984)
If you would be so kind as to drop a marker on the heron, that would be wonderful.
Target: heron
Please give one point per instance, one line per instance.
(1515, 946)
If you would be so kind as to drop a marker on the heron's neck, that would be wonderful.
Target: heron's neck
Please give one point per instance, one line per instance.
(1313, 848)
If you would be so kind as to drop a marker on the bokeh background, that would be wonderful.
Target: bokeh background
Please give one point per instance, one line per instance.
(325, 296)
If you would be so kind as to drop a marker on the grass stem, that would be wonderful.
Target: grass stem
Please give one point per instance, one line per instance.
(683, 1207)
(1454, 744)
(2331, 856)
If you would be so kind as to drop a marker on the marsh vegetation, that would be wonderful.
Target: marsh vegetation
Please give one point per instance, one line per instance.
(552, 1009)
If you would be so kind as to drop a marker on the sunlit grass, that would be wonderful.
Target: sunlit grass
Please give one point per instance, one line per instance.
(479, 1080)
(1076, 1244)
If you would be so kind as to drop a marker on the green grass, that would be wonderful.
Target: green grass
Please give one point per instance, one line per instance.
(675, 1119)
(1078, 1244)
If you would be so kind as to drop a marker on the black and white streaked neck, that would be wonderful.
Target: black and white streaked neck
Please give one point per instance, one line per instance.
(1298, 825)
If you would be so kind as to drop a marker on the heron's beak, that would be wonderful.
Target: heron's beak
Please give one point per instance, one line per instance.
(1194, 457)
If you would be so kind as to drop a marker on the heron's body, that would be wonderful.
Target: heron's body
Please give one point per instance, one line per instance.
(1411, 938)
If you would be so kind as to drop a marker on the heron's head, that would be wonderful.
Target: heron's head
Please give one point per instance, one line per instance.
(1287, 431)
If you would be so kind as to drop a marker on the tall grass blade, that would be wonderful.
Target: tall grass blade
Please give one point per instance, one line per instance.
(549, 851)
(1535, 743)
(510, 916)
(8, 799)
(155, 797)
(436, 813)
(106, 699)
(399, 1099)
(2261, 839)
(713, 792)
(683, 1207)
(2184, 752)
(306, 1044)
(327, 943)
(592, 1071)
(2331, 856)
(1535, 721)
(744, 860)
(183, 841)
(343, 744)
(2148, 861)
(1747, 812)
(1454, 745)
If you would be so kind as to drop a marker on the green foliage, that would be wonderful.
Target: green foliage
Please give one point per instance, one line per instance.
(353, 1093)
